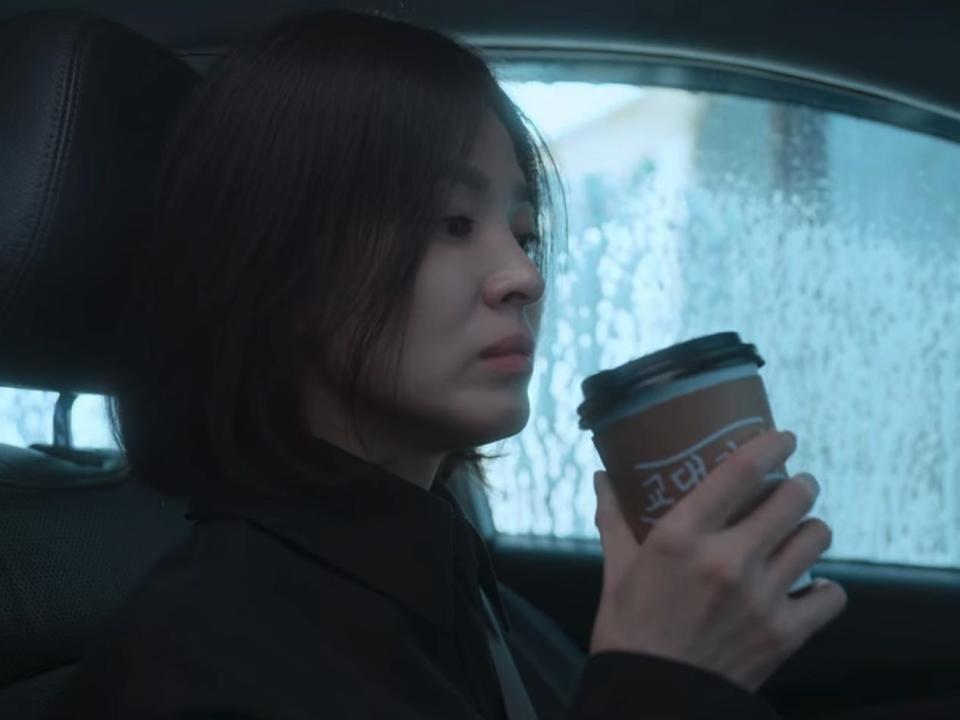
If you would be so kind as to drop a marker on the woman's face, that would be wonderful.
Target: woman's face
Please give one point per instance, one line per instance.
(475, 287)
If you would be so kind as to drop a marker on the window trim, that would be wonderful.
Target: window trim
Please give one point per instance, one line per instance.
(656, 67)
(777, 84)
(944, 576)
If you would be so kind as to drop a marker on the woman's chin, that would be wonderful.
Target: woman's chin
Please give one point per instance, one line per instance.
(469, 422)
(499, 425)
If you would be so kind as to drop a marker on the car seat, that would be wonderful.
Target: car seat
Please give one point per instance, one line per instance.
(84, 108)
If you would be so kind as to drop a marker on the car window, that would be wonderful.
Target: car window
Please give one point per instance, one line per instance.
(829, 241)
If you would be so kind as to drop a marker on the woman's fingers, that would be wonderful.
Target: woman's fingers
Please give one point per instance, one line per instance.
(811, 610)
(798, 553)
(775, 519)
(733, 484)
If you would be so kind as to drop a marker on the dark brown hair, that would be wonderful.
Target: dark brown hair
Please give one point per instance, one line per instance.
(300, 182)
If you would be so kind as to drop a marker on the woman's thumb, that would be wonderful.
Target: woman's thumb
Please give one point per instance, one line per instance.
(616, 537)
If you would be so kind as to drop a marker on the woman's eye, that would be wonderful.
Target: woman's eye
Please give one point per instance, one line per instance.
(458, 226)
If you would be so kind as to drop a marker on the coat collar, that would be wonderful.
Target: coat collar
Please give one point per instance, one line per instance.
(386, 532)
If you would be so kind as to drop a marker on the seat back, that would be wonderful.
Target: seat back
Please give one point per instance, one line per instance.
(85, 106)
(75, 538)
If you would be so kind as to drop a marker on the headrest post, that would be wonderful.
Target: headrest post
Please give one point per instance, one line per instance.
(62, 430)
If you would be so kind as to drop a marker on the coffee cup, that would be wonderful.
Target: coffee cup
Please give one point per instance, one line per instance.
(663, 422)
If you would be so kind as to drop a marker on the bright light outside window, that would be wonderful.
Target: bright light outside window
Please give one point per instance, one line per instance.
(830, 242)
(26, 417)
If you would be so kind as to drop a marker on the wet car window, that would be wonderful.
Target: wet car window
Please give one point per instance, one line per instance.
(829, 241)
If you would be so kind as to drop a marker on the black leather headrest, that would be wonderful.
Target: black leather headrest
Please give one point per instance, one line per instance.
(85, 105)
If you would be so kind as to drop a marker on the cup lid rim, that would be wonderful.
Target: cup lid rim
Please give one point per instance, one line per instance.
(702, 354)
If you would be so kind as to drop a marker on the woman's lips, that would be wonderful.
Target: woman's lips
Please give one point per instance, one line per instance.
(515, 363)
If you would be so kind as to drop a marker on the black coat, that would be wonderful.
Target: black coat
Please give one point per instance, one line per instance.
(362, 603)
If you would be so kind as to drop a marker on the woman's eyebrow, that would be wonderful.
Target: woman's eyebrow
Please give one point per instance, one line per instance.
(476, 180)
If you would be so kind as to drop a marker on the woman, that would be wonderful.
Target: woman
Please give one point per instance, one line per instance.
(352, 218)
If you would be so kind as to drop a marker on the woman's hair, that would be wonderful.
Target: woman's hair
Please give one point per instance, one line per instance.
(299, 190)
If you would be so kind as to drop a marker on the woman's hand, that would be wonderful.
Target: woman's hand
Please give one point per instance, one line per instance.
(713, 596)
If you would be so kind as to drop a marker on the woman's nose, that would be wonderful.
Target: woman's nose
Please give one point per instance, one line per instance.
(519, 283)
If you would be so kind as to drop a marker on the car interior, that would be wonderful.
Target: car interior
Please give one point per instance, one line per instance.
(87, 90)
